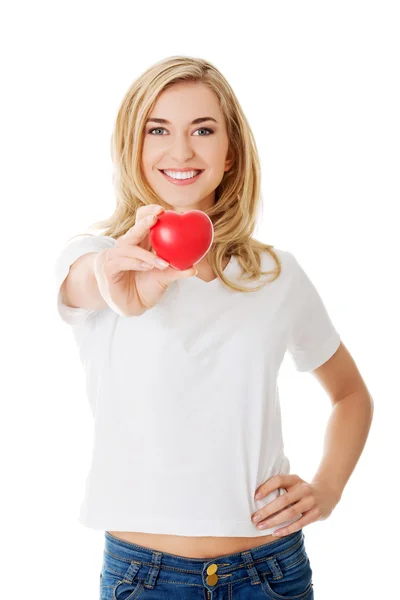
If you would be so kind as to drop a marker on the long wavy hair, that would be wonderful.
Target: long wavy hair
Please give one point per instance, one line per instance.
(238, 199)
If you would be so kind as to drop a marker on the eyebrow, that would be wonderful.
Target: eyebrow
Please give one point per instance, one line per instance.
(195, 122)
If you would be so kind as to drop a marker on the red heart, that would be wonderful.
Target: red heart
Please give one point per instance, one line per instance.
(182, 239)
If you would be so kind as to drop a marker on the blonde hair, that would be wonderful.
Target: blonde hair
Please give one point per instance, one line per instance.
(237, 198)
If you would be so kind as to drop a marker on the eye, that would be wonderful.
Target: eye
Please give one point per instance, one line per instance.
(210, 131)
(155, 129)
(205, 129)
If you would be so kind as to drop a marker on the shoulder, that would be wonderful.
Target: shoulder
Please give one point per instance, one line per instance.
(74, 247)
(287, 261)
(91, 241)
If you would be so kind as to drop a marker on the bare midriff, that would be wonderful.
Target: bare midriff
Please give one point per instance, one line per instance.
(193, 547)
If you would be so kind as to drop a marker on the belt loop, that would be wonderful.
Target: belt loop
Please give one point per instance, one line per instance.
(249, 564)
(154, 570)
(274, 566)
(132, 571)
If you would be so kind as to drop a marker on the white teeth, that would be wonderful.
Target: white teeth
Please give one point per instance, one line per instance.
(181, 174)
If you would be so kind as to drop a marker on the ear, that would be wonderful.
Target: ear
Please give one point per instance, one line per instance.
(229, 161)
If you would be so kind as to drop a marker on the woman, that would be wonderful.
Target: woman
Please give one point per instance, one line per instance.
(182, 365)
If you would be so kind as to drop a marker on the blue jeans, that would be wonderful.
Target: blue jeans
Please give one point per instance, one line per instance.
(278, 570)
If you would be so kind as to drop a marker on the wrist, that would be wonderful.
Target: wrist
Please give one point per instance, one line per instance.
(334, 490)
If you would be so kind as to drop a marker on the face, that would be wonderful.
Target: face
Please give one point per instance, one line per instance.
(181, 144)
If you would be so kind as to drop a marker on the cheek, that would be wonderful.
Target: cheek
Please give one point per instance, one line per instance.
(149, 150)
(149, 160)
(217, 157)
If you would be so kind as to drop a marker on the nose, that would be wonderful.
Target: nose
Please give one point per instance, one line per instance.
(181, 149)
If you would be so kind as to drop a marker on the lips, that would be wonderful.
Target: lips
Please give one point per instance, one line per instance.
(181, 181)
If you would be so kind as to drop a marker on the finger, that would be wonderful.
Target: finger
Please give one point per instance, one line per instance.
(288, 514)
(149, 209)
(309, 517)
(137, 252)
(124, 263)
(295, 494)
(172, 274)
(138, 232)
(278, 481)
(273, 508)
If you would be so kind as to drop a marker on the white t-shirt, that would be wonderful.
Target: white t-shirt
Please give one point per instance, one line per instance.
(187, 421)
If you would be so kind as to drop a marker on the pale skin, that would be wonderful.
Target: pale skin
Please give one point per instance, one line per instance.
(179, 145)
(182, 145)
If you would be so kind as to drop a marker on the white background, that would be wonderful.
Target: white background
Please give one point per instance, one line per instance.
(319, 84)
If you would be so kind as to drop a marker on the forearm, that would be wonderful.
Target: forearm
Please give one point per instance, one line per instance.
(345, 437)
(80, 288)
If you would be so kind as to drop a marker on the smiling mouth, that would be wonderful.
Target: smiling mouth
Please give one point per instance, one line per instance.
(182, 181)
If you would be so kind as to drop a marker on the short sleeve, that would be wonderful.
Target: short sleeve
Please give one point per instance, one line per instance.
(312, 337)
(69, 254)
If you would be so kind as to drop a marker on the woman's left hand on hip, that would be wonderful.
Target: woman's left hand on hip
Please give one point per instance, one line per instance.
(315, 501)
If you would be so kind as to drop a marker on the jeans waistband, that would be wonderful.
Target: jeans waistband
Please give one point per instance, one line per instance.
(229, 566)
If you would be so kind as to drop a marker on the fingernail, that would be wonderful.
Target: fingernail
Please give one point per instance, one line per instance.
(161, 262)
(257, 496)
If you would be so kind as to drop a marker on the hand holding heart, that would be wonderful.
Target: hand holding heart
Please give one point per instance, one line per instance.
(315, 501)
(129, 277)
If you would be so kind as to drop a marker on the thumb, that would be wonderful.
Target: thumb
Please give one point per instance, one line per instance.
(177, 274)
